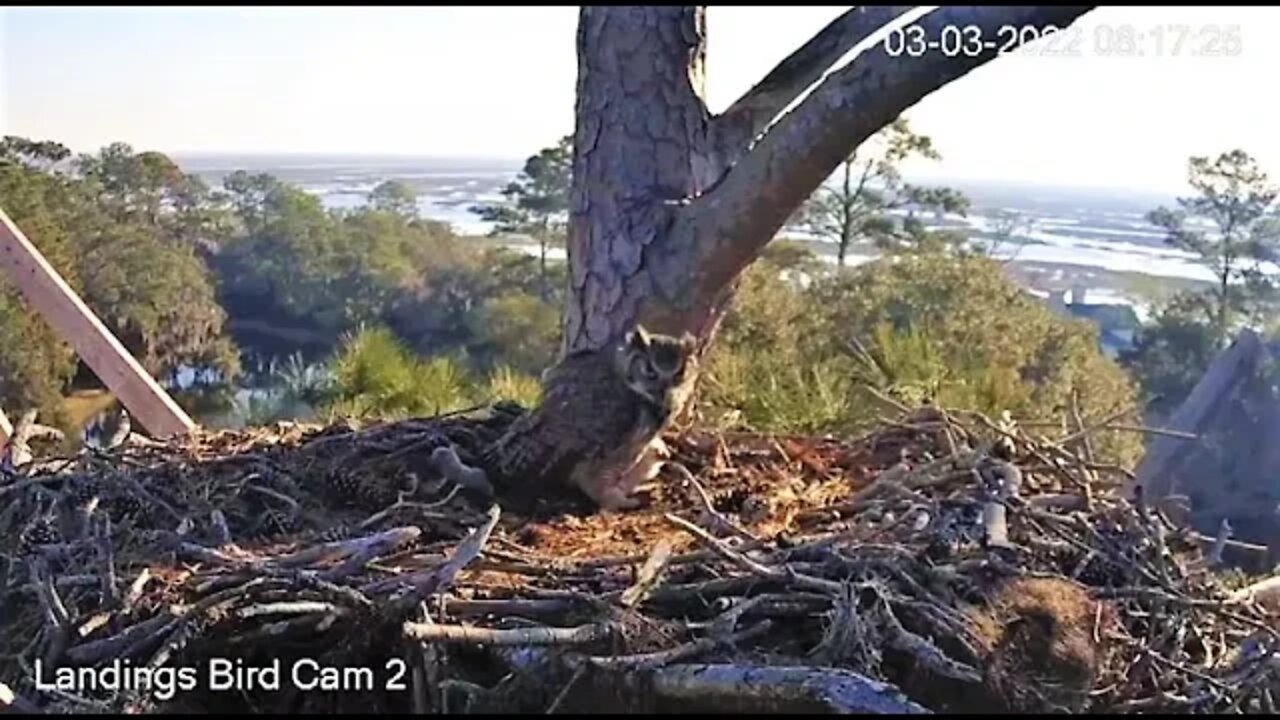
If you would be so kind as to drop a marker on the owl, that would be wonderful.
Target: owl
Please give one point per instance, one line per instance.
(598, 424)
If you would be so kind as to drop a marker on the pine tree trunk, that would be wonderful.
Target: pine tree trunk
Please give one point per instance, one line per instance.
(640, 146)
(669, 203)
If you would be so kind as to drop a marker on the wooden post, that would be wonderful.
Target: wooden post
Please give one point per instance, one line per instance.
(60, 306)
(1157, 472)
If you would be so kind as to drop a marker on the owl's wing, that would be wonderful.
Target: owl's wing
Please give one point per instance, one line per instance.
(540, 443)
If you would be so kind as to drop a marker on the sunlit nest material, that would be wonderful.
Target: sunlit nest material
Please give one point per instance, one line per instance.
(777, 573)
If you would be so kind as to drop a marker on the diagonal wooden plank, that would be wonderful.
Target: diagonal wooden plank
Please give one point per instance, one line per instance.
(60, 306)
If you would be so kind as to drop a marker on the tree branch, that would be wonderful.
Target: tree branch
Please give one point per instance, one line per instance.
(750, 114)
(732, 223)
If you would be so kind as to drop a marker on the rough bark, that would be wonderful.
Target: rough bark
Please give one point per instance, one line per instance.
(662, 219)
(640, 145)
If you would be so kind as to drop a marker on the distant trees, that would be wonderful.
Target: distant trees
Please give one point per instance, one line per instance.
(126, 230)
(540, 203)
(857, 209)
(193, 278)
(927, 326)
(1171, 353)
(1232, 226)
(395, 197)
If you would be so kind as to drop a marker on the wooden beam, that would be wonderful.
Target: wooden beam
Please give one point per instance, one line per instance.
(1156, 473)
(60, 306)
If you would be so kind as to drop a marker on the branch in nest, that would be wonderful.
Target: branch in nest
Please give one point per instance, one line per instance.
(379, 545)
(402, 504)
(307, 625)
(132, 639)
(57, 619)
(661, 658)
(367, 547)
(292, 503)
(750, 565)
(438, 579)
(115, 646)
(301, 607)
(142, 492)
(925, 652)
(221, 532)
(17, 451)
(135, 590)
(510, 607)
(106, 553)
(648, 576)
(738, 688)
(10, 701)
(718, 520)
(467, 635)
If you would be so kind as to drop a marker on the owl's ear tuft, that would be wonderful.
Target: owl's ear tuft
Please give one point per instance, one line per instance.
(638, 338)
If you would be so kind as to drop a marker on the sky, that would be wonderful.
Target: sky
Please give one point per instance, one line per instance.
(499, 82)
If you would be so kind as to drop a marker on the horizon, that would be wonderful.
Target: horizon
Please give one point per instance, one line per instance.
(514, 164)
(289, 82)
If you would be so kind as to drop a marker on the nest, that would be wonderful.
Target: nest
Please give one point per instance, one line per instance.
(939, 564)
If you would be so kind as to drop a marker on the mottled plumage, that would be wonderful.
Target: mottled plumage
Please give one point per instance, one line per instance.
(597, 426)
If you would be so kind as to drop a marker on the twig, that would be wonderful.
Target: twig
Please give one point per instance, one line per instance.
(751, 565)
(442, 577)
(468, 635)
(402, 504)
(10, 701)
(717, 518)
(293, 504)
(221, 533)
(1086, 432)
(564, 691)
(1086, 477)
(653, 660)
(928, 654)
(301, 607)
(106, 553)
(648, 576)
(55, 613)
(136, 589)
(366, 548)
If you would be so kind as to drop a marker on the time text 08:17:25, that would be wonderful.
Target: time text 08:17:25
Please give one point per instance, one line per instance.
(1169, 40)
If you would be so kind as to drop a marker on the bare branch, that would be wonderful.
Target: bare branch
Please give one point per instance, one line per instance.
(735, 220)
(467, 634)
(750, 114)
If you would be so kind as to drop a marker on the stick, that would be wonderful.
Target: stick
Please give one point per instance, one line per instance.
(376, 544)
(221, 533)
(442, 577)
(648, 576)
(16, 703)
(302, 607)
(106, 552)
(468, 635)
(750, 565)
(654, 660)
(771, 689)
(709, 508)
(55, 613)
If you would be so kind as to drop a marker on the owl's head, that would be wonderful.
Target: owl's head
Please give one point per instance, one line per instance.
(652, 365)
